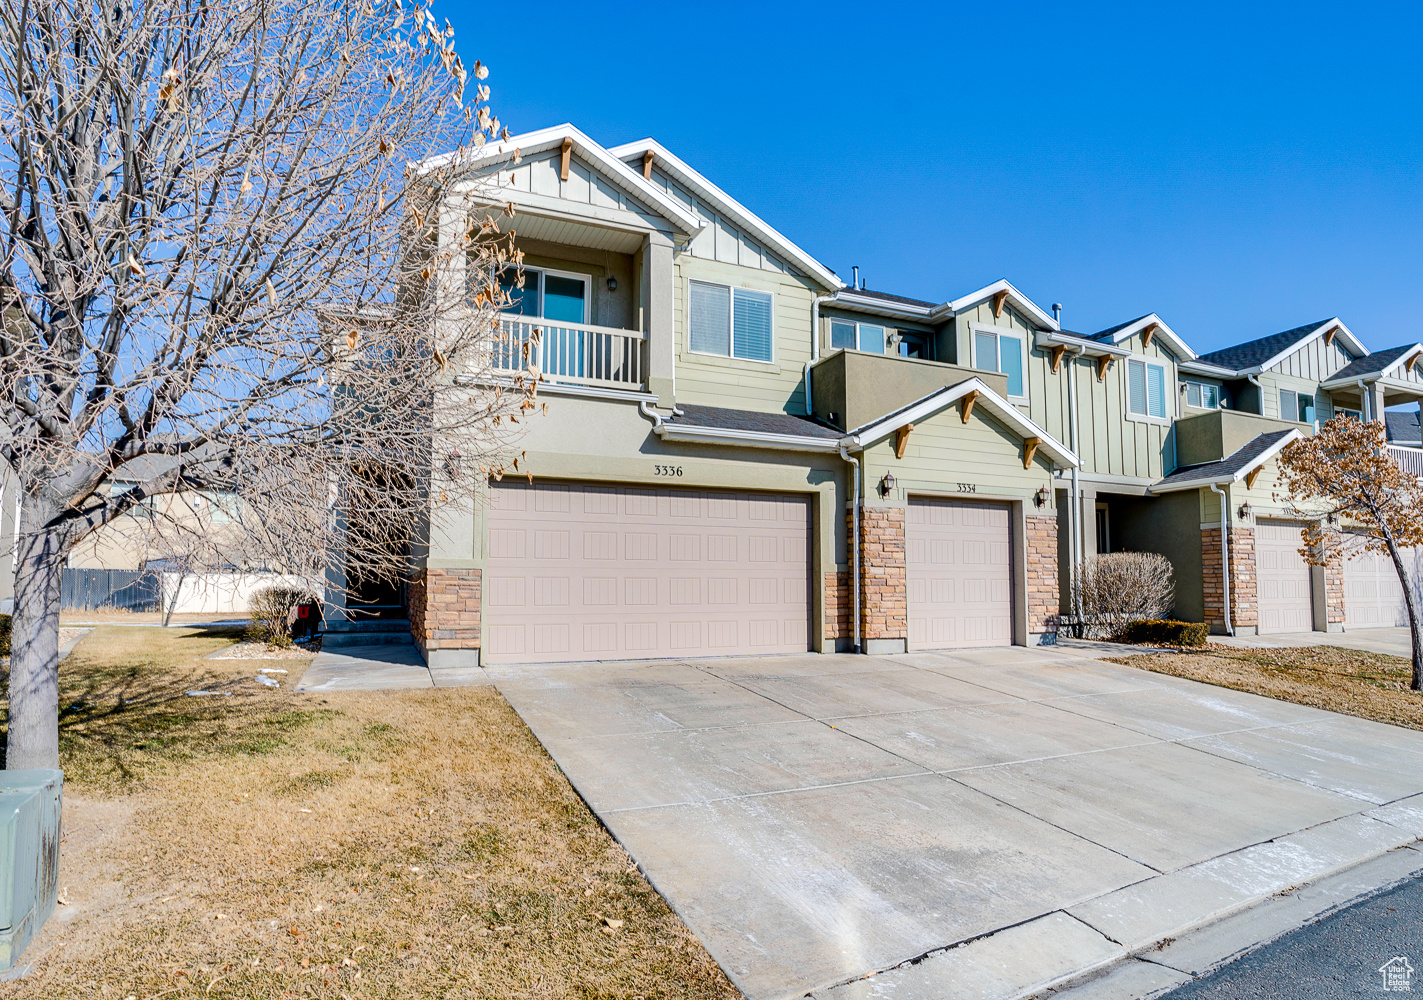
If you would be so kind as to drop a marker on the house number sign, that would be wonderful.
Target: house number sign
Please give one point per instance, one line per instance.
(667, 470)
(967, 487)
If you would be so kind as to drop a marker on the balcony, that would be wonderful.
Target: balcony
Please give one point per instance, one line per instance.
(851, 388)
(1410, 460)
(573, 353)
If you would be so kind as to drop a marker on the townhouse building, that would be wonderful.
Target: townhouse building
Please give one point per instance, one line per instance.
(744, 454)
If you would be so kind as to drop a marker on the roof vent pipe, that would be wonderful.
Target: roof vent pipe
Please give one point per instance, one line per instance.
(1057, 313)
(855, 277)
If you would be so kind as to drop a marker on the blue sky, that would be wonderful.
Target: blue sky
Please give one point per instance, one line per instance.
(1238, 170)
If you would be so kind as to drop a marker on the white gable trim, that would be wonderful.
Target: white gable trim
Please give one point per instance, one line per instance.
(1024, 304)
(1379, 375)
(1179, 347)
(614, 170)
(1356, 347)
(1006, 412)
(738, 213)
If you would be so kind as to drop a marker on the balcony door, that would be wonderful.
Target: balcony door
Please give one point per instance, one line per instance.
(558, 296)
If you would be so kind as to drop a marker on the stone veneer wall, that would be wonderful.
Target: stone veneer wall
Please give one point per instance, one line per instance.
(444, 608)
(1041, 550)
(1333, 578)
(1244, 609)
(883, 594)
(838, 599)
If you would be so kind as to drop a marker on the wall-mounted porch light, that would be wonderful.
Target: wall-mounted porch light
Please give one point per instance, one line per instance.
(612, 283)
(886, 485)
(1040, 497)
(1244, 512)
(454, 462)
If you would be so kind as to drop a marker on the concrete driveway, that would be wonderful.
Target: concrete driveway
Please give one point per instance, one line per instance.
(854, 826)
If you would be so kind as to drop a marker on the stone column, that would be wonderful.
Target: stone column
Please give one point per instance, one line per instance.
(1244, 609)
(884, 597)
(1043, 598)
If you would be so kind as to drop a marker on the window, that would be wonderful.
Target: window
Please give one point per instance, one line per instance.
(1146, 389)
(732, 322)
(1340, 411)
(1296, 406)
(1202, 394)
(913, 345)
(999, 352)
(546, 294)
(857, 336)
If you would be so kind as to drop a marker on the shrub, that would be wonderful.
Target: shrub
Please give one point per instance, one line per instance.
(1123, 587)
(1166, 632)
(268, 611)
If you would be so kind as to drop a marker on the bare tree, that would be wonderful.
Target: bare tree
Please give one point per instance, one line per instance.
(1345, 474)
(215, 249)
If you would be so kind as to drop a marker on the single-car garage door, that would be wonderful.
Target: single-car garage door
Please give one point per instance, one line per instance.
(959, 577)
(1282, 578)
(591, 572)
(1373, 597)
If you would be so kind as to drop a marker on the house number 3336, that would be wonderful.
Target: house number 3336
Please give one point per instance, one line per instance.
(668, 470)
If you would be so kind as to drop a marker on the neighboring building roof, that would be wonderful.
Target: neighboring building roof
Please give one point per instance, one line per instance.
(1258, 354)
(1233, 468)
(751, 420)
(867, 293)
(1402, 425)
(665, 160)
(1373, 365)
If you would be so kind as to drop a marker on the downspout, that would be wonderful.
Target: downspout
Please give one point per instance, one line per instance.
(814, 346)
(1074, 525)
(1364, 400)
(1256, 383)
(854, 547)
(1224, 557)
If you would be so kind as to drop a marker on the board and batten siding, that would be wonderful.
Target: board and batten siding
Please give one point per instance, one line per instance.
(721, 240)
(943, 452)
(1110, 443)
(540, 175)
(711, 380)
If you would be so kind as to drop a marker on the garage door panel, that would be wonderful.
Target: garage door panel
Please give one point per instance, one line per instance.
(959, 580)
(1282, 579)
(577, 572)
(1373, 596)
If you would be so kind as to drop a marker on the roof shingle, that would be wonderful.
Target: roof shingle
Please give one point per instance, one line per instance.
(1257, 352)
(1231, 465)
(752, 420)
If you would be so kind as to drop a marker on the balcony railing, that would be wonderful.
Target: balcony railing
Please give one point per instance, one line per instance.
(1409, 459)
(577, 353)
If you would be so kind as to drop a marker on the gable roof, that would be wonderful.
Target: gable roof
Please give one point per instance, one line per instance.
(610, 167)
(1024, 304)
(738, 213)
(1129, 329)
(1257, 355)
(1233, 468)
(926, 406)
(1374, 365)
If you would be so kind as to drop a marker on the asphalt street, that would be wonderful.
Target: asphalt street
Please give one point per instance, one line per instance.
(1339, 956)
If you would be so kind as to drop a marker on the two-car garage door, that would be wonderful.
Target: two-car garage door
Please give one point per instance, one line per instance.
(591, 572)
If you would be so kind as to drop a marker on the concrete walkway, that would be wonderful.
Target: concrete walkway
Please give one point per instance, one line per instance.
(983, 823)
(381, 668)
(1393, 641)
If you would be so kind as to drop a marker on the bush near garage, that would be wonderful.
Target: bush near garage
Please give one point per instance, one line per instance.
(1165, 632)
(269, 610)
(1117, 588)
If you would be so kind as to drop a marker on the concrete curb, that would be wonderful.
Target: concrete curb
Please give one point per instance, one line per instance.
(1147, 938)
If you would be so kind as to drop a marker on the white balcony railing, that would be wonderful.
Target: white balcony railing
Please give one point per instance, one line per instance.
(1408, 459)
(579, 353)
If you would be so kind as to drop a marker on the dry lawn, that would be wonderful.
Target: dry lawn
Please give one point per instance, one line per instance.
(1369, 685)
(346, 845)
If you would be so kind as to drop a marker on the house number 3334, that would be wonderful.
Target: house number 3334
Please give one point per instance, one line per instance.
(668, 470)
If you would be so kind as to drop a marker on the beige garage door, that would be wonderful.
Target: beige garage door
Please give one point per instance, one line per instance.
(591, 572)
(959, 577)
(1373, 597)
(1282, 578)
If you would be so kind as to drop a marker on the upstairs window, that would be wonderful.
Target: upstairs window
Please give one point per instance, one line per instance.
(1203, 394)
(1296, 406)
(1146, 389)
(1000, 352)
(731, 322)
(857, 336)
(1340, 411)
(546, 294)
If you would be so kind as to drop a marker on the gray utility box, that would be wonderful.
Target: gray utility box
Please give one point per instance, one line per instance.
(29, 856)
